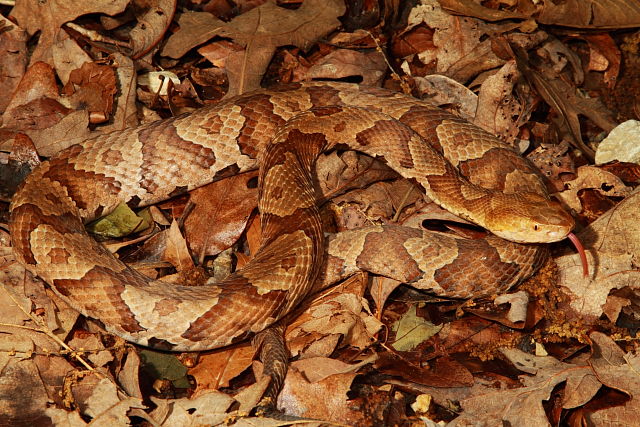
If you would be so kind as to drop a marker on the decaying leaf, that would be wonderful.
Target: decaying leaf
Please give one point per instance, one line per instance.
(260, 31)
(411, 330)
(13, 50)
(152, 22)
(48, 18)
(520, 359)
(613, 259)
(229, 203)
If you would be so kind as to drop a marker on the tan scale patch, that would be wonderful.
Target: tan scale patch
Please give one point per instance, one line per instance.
(100, 156)
(225, 145)
(463, 141)
(59, 256)
(166, 307)
(359, 121)
(424, 119)
(388, 256)
(515, 253)
(391, 139)
(171, 162)
(97, 295)
(339, 127)
(394, 105)
(426, 160)
(111, 157)
(269, 273)
(472, 192)
(144, 305)
(518, 180)
(289, 104)
(435, 258)
(283, 193)
(84, 254)
(348, 246)
(33, 195)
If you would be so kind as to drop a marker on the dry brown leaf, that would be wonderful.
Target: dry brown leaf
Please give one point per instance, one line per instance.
(459, 334)
(554, 161)
(339, 312)
(567, 102)
(342, 63)
(443, 90)
(454, 39)
(126, 114)
(129, 374)
(592, 177)
(317, 369)
(207, 409)
(217, 52)
(619, 371)
(613, 248)
(35, 110)
(260, 31)
(92, 87)
(195, 29)
(71, 129)
(498, 111)
(338, 173)
(67, 56)
(604, 47)
(326, 399)
(13, 51)
(381, 288)
(152, 23)
(21, 160)
(441, 372)
(264, 28)
(106, 406)
(225, 204)
(523, 406)
(379, 201)
(48, 18)
(176, 251)
(23, 396)
(39, 82)
(471, 8)
(593, 14)
(91, 343)
(464, 47)
(214, 370)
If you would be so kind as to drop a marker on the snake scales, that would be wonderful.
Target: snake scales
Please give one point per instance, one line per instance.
(283, 131)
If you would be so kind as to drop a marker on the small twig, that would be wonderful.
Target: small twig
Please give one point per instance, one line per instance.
(96, 36)
(403, 83)
(42, 328)
(402, 203)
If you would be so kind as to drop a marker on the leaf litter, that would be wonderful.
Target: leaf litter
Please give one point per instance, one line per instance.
(559, 350)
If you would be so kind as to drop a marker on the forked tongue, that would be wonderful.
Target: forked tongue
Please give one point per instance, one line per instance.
(583, 256)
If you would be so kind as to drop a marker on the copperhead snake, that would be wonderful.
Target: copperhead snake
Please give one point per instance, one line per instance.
(282, 131)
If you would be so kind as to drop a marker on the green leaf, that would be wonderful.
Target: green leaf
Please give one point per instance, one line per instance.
(411, 330)
(166, 367)
(121, 222)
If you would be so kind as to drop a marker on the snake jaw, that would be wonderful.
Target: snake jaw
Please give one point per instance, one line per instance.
(530, 218)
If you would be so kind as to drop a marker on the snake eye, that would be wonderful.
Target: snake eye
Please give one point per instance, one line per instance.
(535, 227)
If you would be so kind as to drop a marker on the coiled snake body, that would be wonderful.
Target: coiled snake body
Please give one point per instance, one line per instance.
(283, 131)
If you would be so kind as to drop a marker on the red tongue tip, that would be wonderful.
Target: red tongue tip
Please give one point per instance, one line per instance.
(583, 256)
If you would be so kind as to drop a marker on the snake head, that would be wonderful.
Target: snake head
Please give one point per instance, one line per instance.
(529, 218)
